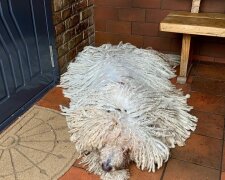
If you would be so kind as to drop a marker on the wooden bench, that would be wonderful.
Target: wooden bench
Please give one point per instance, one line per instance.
(188, 23)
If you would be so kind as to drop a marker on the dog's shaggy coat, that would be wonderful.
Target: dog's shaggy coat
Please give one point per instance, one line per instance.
(124, 108)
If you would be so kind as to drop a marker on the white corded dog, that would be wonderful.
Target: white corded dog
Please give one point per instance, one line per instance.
(124, 108)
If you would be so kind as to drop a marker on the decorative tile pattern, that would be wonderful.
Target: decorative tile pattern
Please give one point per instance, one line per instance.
(36, 146)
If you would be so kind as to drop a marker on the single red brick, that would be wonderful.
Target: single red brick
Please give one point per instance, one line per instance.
(57, 17)
(220, 60)
(78, 6)
(59, 40)
(63, 50)
(162, 44)
(209, 39)
(103, 37)
(146, 3)
(68, 35)
(182, 5)
(212, 49)
(75, 40)
(118, 27)
(105, 13)
(175, 45)
(100, 25)
(132, 14)
(62, 65)
(66, 3)
(81, 45)
(66, 13)
(57, 5)
(148, 29)
(203, 58)
(86, 13)
(212, 6)
(72, 21)
(90, 30)
(168, 34)
(59, 28)
(81, 26)
(156, 15)
(92, 40)
(91, 21)
(71, 55)
(91, 2)
(114, 3)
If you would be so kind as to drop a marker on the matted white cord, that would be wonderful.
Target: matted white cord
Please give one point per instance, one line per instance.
(121, 95)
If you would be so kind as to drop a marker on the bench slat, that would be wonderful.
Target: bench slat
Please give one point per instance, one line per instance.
(210, 24)
(198, 15)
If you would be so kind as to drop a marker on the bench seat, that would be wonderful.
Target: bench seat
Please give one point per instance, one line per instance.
(208, 24)
(187, 23)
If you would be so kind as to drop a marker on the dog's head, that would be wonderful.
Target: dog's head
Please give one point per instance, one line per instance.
(113, 158)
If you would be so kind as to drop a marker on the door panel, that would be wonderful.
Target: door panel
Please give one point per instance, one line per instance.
(26, 66)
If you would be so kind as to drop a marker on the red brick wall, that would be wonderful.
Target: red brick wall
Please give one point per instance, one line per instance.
(74, 28)
(137, 22)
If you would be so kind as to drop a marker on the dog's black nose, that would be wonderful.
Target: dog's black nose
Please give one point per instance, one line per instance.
(106, 167)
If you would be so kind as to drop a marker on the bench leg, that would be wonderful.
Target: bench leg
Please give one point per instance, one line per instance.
(186, 43)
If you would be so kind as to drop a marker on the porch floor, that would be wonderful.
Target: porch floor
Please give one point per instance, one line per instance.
(203, 157)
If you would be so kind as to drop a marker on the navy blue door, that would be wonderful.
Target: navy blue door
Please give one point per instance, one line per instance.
(27, 62)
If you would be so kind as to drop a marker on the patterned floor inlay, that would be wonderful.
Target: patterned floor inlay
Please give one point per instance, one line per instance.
(36, 146)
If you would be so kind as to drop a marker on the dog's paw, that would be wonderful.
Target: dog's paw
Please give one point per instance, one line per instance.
(116, 175)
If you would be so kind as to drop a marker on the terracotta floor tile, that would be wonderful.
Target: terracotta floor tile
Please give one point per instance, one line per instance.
(200, 150)
(77, 164)
(137, 174)
(209, 86)
(78, 174)
(53, 99)
(186, 88)
(209, 124)
(223, 176)
(180, 170)
(210, 70)
(207, 103)
(193, 71)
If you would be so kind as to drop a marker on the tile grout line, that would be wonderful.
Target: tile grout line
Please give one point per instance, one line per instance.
(217, 169)
(214, 138)
(164, 170)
